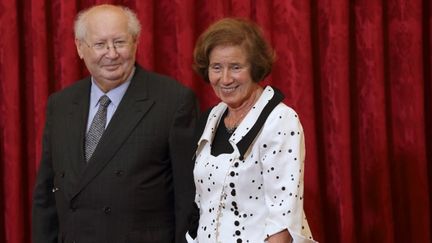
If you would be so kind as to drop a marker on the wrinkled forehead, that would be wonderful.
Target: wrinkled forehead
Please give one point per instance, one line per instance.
(106, 23)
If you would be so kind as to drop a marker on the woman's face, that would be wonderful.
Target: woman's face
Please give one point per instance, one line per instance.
(230, 75)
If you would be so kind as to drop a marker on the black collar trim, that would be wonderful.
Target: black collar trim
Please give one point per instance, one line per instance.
(244, 144)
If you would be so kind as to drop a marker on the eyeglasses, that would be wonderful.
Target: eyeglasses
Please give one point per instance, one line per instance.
(233, 68)
(103, 47)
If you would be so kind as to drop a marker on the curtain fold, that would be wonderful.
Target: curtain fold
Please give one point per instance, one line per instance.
(409, 183)
(357, 72)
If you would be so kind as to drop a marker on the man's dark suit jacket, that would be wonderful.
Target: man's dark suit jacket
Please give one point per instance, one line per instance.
(138, 186)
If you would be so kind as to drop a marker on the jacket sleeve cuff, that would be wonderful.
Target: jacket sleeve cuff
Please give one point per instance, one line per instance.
(189, 238)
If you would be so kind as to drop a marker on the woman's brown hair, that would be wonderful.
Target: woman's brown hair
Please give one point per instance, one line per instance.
(235, 32)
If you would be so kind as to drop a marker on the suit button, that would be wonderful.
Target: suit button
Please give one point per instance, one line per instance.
(73, 208)
(119, 173)
(62, 174)
(107, 210)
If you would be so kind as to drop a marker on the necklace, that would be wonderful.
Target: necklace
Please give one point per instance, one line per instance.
(232, 124)
(230, 130)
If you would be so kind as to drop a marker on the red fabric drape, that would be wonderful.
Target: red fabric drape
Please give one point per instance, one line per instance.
(357, 72)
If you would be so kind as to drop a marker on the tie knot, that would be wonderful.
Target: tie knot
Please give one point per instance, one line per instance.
(104, 101)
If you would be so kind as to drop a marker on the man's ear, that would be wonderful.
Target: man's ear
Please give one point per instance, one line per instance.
(79, 47)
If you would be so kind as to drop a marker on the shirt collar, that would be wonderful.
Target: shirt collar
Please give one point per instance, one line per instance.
(115, 95)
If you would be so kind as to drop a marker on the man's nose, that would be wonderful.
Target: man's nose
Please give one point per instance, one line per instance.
(111, 52)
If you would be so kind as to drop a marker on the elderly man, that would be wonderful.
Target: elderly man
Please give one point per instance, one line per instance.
(116, 162)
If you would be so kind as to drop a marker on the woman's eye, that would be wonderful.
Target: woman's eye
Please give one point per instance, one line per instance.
(215, 68)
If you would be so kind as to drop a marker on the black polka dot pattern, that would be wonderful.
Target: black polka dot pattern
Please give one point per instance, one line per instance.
(262, 194)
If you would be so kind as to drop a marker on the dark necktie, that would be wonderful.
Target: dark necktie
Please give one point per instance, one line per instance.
(97, 127)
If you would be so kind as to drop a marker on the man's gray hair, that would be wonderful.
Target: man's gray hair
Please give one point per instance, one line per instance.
(80, 26)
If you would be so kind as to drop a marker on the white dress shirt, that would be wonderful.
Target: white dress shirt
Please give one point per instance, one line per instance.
(115, 95)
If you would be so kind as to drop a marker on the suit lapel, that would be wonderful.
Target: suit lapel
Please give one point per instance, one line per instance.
(75, 127)
(78, 121)
(134, 105)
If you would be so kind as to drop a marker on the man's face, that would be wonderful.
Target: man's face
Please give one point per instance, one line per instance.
(108, 48)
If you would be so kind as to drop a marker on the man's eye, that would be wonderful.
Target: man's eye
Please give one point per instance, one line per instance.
(120, 43)
(99, 45)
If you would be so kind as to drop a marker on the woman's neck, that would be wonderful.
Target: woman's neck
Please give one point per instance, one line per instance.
(236, 115)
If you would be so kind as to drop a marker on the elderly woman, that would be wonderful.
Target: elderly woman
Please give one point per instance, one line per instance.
(250, 154)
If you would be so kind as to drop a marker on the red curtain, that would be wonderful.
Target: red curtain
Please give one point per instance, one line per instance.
(358, 73)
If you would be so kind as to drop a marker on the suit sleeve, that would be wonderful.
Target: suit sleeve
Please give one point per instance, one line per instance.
(181, 152)
(44, 214)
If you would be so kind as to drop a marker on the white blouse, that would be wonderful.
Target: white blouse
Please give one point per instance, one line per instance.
(248, 200)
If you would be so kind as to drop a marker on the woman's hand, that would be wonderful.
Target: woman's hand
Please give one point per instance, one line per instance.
(281, 237)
